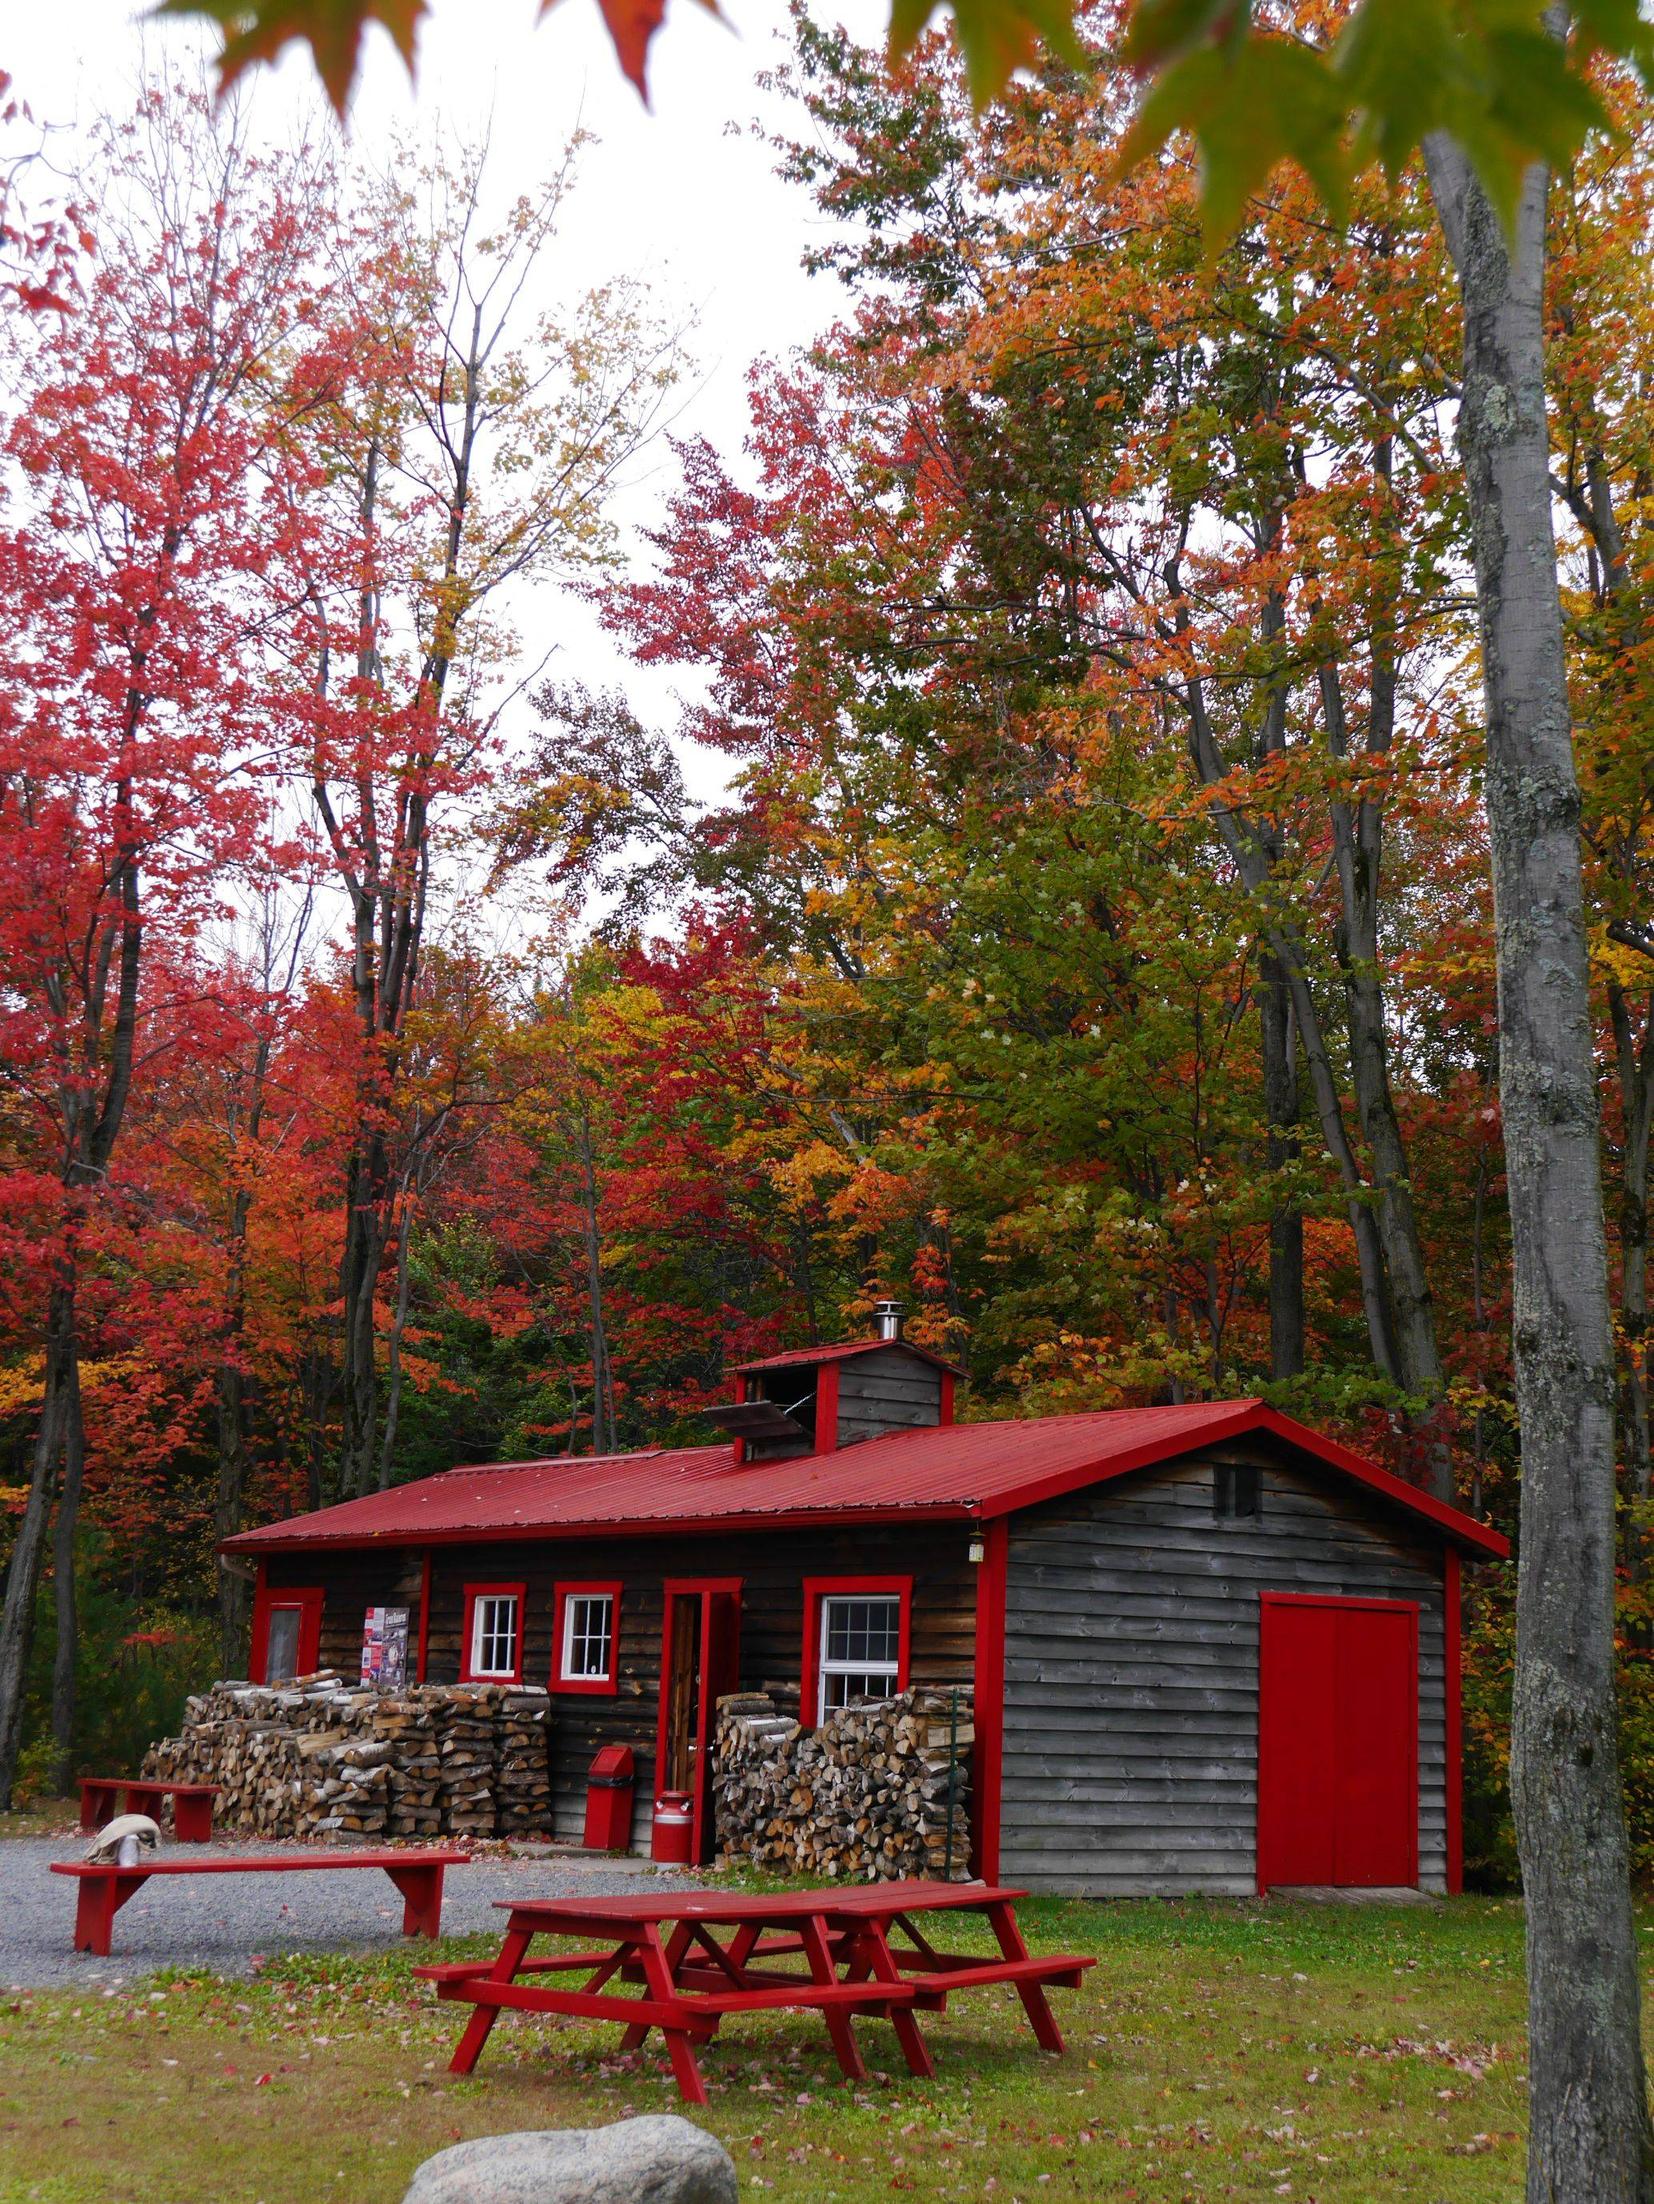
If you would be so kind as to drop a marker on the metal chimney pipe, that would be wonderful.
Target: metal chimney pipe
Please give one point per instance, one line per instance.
(887, 1319)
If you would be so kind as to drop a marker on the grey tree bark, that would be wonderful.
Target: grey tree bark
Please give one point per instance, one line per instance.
(1589, 2133)
(1286, 1220)
(29, 1551)
(66, 1655)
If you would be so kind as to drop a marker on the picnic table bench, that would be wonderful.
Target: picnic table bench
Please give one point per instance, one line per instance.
(691, 1980)
(191, 1803)
(105, 1889)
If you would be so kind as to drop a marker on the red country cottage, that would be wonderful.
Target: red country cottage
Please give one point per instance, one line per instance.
(1212, 1650)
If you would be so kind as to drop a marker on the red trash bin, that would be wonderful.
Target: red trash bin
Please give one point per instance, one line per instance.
(609, 1782)
(673, 1830)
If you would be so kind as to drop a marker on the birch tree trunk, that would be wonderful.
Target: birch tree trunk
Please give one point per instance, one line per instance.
(1589, 2137)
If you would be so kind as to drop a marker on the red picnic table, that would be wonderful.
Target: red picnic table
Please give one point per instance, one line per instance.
(191, 1803)
(690, 1978)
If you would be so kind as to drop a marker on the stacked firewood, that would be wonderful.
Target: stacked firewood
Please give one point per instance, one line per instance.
(879, 1790)
(322, 1758)
(465, 1743)
(522, 1769)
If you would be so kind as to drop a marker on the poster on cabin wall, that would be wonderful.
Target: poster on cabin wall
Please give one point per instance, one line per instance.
(385, 1648)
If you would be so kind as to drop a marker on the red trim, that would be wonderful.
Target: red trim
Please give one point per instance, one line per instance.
(826, 1433)
(1408, 1607)
(1332, 1599)
(424, 1618)
(706, 1589)
(600, 1686)
(474, 1592)
(309, 1600)
(987, 1775)
(816, 1588)
(1242, 1417)
(1453, 1680)
(946, 1414)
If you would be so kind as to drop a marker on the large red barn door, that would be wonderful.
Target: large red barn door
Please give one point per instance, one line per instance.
(1338, 1731)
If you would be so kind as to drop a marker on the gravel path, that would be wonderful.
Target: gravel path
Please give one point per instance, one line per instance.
(225, 1921)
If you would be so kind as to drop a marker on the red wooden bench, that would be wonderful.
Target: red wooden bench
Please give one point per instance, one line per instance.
(104, 1890)
(690, 1980)
(191, 1803)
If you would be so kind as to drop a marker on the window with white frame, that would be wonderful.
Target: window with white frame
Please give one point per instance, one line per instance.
(494, 1634)
(588, 1637)
(860, 1649)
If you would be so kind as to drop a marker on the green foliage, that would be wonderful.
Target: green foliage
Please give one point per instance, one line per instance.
(137, 1665)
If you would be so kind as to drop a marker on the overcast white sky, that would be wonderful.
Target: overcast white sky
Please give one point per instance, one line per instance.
(684, 195)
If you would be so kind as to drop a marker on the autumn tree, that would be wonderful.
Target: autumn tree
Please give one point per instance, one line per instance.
(131, 583)
(470, 451)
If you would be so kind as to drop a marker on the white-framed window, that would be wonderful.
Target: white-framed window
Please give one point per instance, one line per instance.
(281, 1658)
(588, 1648)
(860, 1648)
(496, 1621)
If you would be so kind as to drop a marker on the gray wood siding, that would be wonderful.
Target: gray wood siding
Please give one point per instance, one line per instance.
(889, 1391)
(1131, 1672)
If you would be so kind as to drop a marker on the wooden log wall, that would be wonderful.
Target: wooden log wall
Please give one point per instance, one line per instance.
(1131, 1673)
(890, 1391)
(772, 1568)
(354, 1582)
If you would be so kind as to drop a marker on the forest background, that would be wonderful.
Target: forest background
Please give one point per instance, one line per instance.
(1092, 947)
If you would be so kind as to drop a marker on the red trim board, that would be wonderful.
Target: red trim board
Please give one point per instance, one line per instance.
(818, 1588)
(474, 1592)
(597, 1686)
(308, 1599)
(987, 1773)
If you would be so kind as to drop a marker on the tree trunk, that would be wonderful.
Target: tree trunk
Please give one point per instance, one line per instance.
(67, 1652)
(1635, 1062)
(393, 1345)
(603, 1408)
(29, 1552)
(1286, 1221)
(227, 1514)
(1589, 2135)
(363, 1260)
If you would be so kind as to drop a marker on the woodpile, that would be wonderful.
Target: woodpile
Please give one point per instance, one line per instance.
(865, 1797)
(322, 1758)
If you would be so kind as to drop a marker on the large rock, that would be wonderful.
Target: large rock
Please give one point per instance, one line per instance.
(659, 2160)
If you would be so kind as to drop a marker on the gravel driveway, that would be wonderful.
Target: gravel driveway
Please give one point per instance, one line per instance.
(225, 1921)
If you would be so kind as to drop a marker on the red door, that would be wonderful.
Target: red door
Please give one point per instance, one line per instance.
(1338, 1741)
(700, 1662)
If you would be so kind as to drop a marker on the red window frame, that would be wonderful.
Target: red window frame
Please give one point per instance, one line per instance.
(308, 1599)
(474, 1592)
(597, 1686)
(818, 1588)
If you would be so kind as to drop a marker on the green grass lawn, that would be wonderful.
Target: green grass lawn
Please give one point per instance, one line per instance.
(1216, 2051)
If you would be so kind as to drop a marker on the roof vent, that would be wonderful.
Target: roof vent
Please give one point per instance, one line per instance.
(887, 1319)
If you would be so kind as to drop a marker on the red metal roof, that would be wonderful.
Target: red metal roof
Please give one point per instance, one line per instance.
(960, 1471)
(796, 1357)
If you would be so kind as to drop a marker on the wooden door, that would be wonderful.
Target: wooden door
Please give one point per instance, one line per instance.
(682, 1692)
(1338, 1729)
(700, 1662)
(287, 1632)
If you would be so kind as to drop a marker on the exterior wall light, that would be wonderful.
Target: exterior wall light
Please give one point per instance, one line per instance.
(979, 1550)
